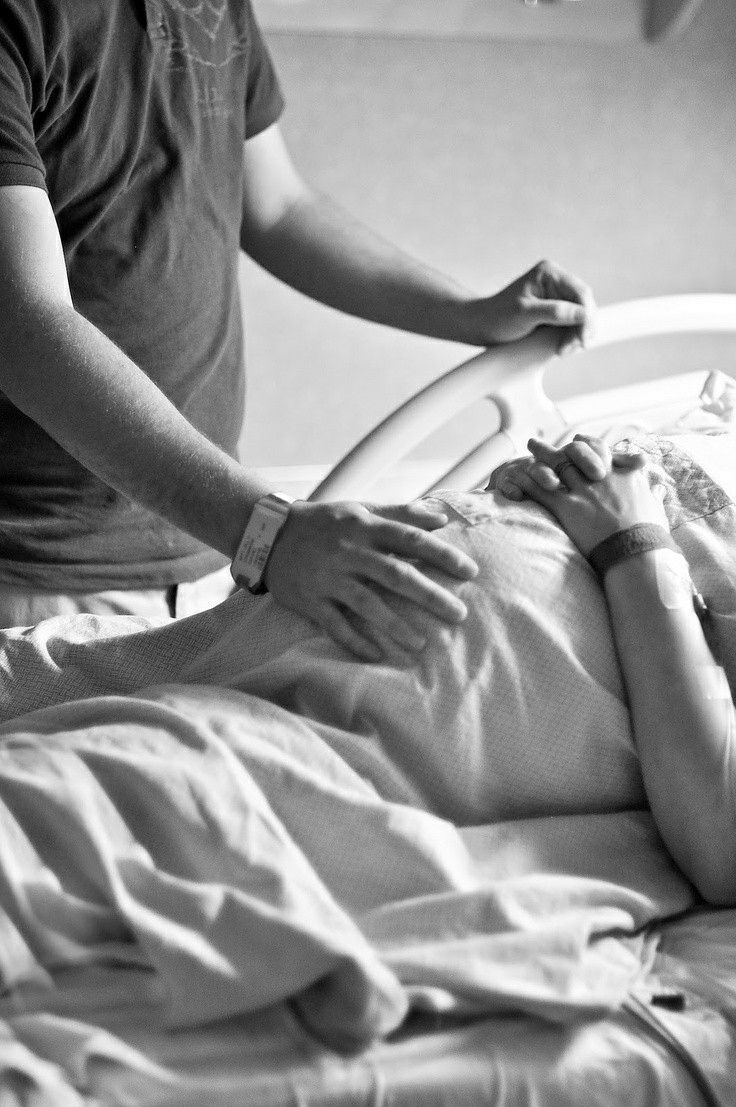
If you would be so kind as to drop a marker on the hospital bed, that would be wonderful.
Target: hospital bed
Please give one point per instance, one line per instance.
(97, 1035)
(512, 381)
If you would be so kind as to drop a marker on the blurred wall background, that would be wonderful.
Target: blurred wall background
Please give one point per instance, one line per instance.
(617, 160)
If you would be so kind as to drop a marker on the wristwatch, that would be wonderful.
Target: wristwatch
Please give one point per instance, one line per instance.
(266, 520)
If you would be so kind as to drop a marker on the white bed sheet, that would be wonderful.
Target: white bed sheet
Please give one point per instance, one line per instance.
(267, 1060)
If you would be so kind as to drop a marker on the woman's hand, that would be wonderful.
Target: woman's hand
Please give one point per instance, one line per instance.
(592, 492)
(592, 457)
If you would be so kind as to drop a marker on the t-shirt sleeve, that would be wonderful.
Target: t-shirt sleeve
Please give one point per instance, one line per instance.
(264, 100)
(20, 161)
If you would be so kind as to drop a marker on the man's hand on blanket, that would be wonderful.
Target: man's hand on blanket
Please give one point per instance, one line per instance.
(341, 565)
(592, 492)
(544, 296)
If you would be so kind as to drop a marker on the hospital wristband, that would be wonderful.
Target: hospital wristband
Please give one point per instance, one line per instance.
(642, 538)
(639, 539)
(267, 518)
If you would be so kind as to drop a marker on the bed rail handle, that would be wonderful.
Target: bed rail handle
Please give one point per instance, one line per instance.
(511, 377)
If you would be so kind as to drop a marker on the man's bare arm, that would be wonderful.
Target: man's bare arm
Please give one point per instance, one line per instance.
(333, 564)
(307, 240)
(93, 400)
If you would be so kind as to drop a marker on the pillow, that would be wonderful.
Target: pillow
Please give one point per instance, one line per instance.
(714, 453)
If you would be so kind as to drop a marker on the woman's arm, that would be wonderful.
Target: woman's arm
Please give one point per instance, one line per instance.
(682, 715)
(681, 707)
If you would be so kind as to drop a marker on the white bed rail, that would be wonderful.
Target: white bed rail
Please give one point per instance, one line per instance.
(699, 312)
(512, 378)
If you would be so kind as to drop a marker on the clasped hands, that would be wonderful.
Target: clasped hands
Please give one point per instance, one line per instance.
(592, 490)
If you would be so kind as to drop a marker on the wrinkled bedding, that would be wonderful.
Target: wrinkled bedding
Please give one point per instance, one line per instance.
(234, 807)
(220, 845)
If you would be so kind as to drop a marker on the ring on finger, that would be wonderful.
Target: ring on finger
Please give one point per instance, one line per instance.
(561, 466)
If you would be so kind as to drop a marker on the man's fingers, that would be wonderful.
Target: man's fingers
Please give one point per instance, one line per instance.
(417, 545)
(338, 628)
(557, 284)
(359, 565)
(378, 617)
(403, 579)
(555, 313)
(392, 652)
(417, 514)
(570, 341)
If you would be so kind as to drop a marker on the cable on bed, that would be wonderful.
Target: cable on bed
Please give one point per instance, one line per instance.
(643, 1012)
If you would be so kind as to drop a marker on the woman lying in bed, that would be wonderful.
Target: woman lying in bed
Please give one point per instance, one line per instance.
(670, 652)
(565, 691)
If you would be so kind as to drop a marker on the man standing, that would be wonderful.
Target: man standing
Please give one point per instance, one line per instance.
(139, 151)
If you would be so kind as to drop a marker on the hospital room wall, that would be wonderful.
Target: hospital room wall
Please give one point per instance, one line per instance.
(615, 159)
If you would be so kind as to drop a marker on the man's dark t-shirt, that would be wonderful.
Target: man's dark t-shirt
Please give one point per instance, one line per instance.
(132, 115)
